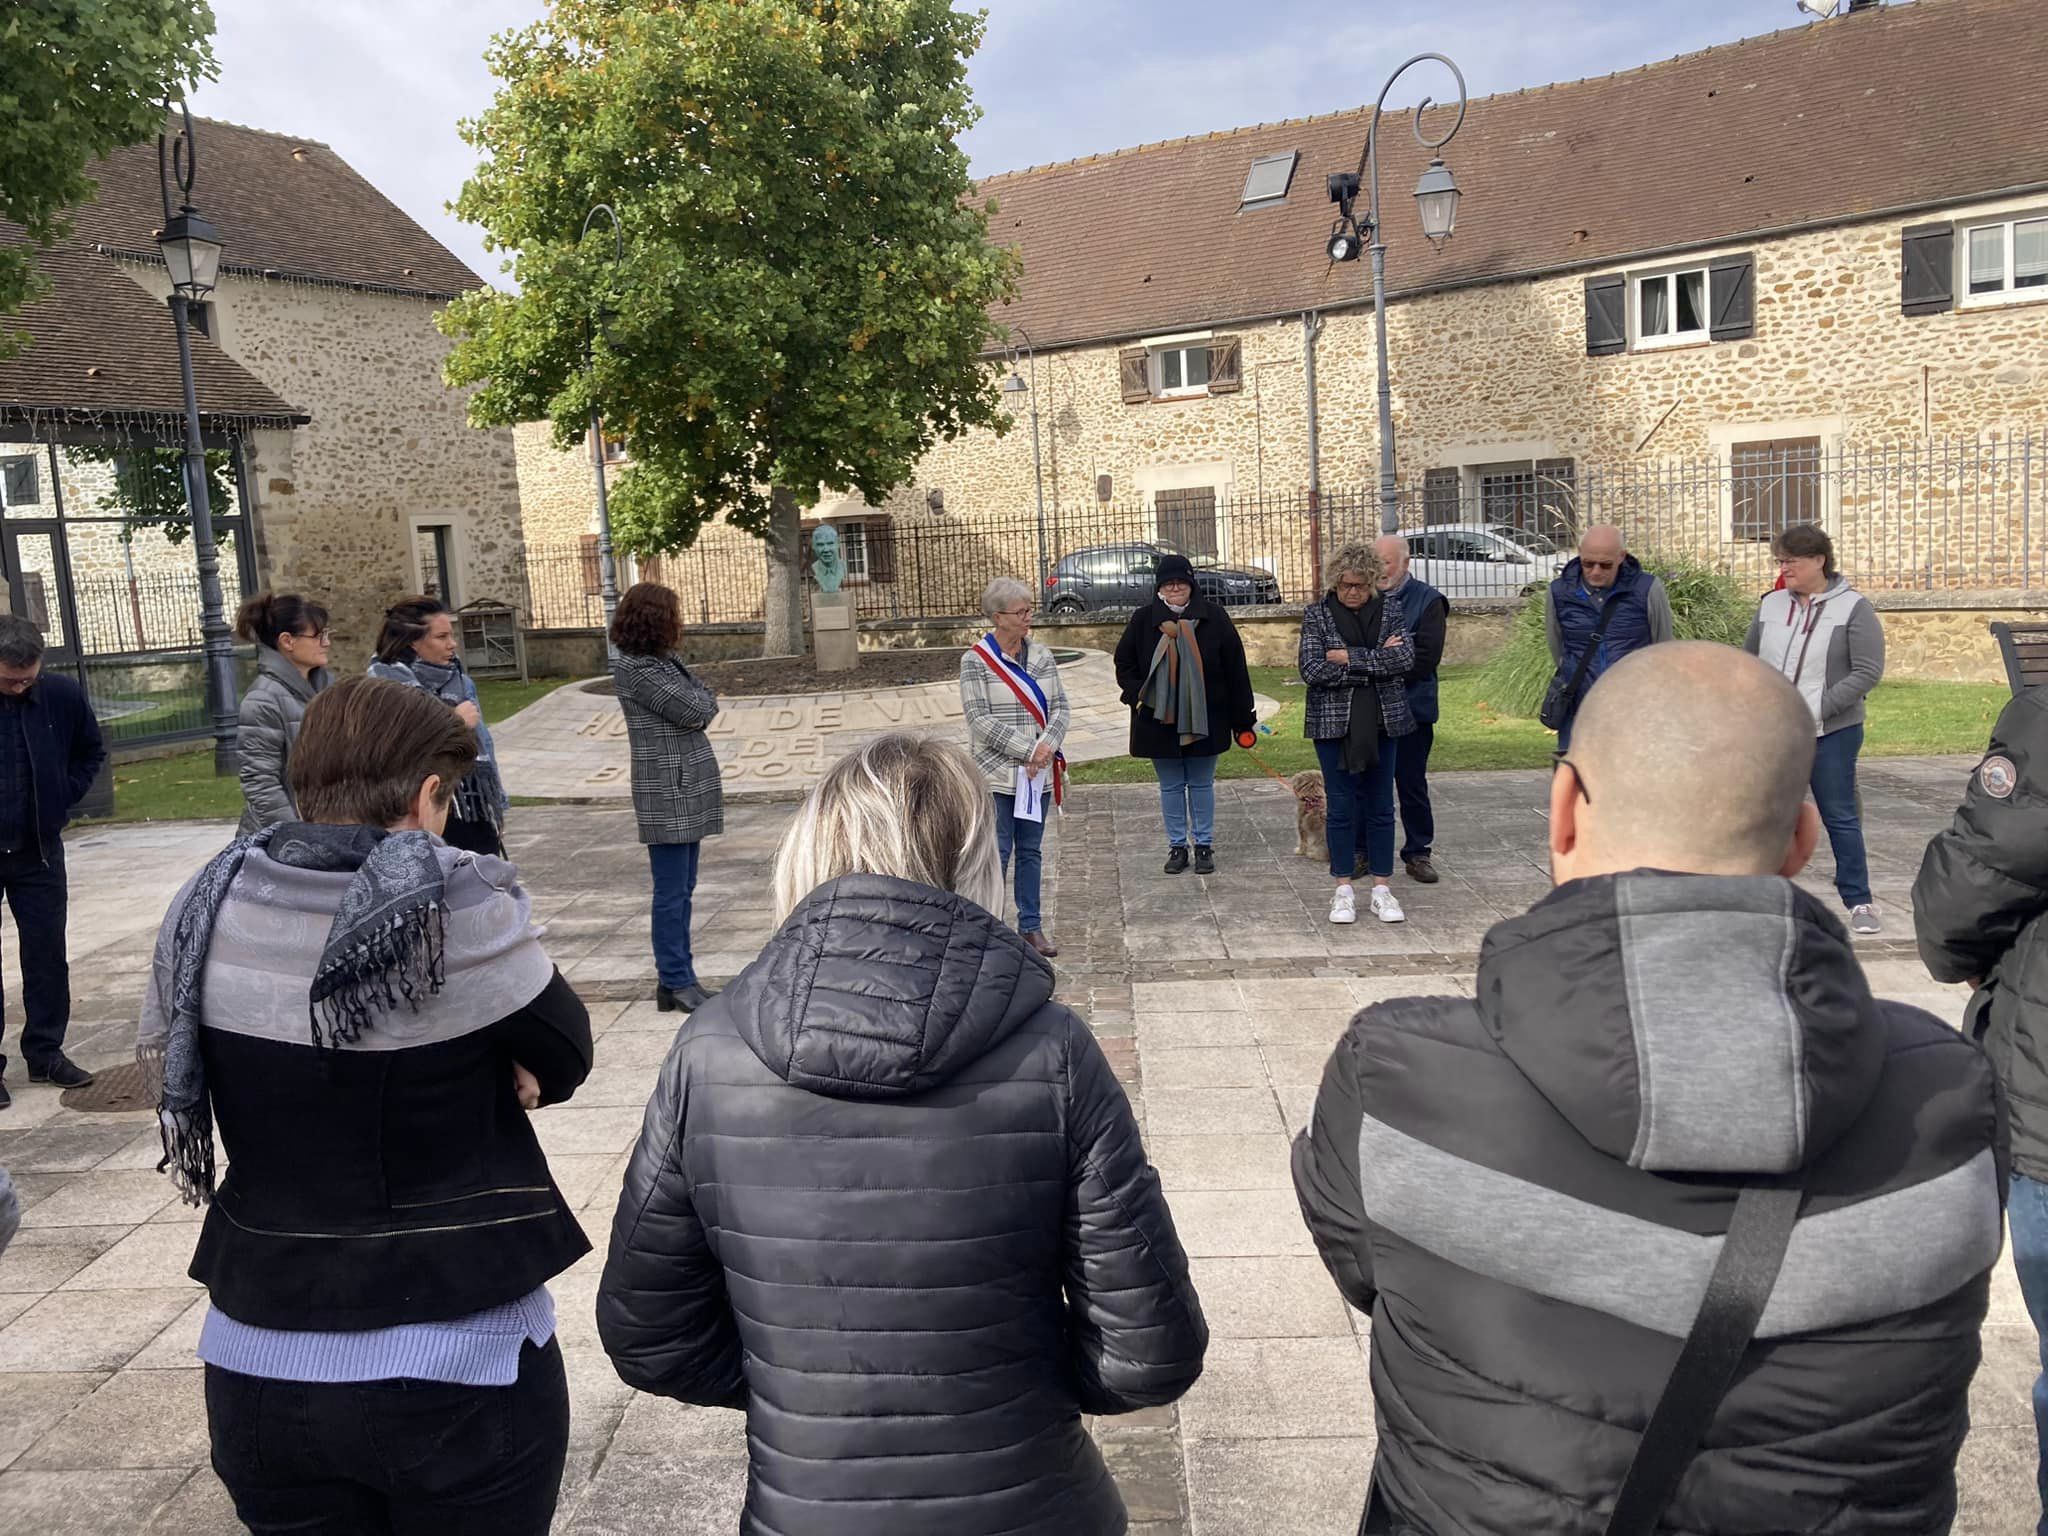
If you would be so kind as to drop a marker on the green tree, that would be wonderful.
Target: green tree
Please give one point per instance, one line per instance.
(804, 296)
(148, 489)
(79, 79)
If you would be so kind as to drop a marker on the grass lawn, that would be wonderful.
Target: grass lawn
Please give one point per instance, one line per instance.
(1907, 719)
(183, 788)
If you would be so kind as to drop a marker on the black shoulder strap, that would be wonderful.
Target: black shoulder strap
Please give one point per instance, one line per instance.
(1751, 1255)
(1593, 645)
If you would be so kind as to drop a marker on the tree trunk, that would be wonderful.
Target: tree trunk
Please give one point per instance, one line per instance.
(783, 607)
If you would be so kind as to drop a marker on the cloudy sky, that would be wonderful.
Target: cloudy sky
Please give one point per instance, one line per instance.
(385, 81)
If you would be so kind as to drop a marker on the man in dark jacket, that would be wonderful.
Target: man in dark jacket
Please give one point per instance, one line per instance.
(1426, 613)
(1530, 1191)
(50, 753)
(1980, 909)
(891, 1201)
(1603, 573)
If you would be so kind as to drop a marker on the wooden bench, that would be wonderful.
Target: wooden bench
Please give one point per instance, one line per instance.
(2025, 649)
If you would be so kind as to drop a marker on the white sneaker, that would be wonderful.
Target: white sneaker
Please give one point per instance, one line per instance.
(1386, 906)
(1863, 919)
(1344, 905)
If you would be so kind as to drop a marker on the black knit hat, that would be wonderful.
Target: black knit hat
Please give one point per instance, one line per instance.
(1173, 568)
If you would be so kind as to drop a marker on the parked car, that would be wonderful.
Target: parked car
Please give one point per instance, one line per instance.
(1484, 559)
(1112, 577)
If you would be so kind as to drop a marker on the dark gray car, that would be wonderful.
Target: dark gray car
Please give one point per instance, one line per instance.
(1118, 577)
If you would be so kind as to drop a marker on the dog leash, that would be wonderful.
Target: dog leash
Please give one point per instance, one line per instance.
(1247, 740)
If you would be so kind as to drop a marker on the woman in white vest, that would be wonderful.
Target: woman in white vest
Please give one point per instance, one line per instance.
(1824, 635)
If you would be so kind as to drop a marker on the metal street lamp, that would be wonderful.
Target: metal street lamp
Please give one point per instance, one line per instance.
(1436, 203)
(607, 563)
(191, 251)
(1013, 386)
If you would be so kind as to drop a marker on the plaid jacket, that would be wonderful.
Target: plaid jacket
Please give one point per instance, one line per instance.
(1331, 688)
(677, 793)
(1000, 732)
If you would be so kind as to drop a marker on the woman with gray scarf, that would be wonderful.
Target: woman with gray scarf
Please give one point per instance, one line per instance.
(366, 1013)
(418, 647)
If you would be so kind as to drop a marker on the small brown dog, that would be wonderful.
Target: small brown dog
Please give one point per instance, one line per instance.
(1311, 815)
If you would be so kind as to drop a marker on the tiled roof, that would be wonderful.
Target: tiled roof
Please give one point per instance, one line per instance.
(286, 206)
(1886, 110)
(101, 345)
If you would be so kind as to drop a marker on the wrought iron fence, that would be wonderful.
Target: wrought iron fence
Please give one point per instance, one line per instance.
(1933, 515)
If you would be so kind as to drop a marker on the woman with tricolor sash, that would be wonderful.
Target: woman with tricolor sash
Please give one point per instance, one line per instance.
(1016, 722)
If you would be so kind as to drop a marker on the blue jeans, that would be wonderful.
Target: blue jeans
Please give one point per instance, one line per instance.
(1187, 798)
(1834, 791)
(2028, 1212)
(1025, 839)
(1360, 807)
(675, 879)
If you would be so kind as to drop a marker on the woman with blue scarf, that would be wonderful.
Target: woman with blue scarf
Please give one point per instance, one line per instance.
(417, 647)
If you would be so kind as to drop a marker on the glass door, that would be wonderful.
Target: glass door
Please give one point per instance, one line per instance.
(38, 585)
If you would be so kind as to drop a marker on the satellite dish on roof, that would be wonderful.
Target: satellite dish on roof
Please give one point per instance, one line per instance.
(1822, 9)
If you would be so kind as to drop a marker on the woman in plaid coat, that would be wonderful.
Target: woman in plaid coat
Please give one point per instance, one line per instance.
(678, 796)
(1355, 655)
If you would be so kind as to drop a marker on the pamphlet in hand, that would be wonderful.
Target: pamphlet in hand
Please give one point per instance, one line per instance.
(1030, 794)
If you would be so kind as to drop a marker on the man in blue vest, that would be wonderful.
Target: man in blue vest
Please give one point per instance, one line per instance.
(1603, 573)
(1425, 611)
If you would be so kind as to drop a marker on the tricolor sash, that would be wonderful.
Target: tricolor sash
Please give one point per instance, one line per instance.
(1031, 696)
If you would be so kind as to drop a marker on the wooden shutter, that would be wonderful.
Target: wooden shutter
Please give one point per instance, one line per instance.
(1927, 268)
(593, 572)
(1731, 298)
(881, 537)
(1135, 365)
(1226, 366)
(1606, 315)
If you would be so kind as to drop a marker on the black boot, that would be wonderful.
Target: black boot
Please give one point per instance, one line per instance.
(1176, 859)
(1205, 859)
(682, 999)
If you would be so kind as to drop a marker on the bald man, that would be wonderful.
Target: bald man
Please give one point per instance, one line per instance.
(1602, 607)
(1426, 612)
(1530, 1189)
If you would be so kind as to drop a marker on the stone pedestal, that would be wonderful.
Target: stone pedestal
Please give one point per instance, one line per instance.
(833, 636)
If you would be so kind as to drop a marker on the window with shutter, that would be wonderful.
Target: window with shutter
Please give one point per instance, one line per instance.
(1927, 262)
(20, 485)
(1773, 485)
(881, 550)
(1606, 315)
(1226, 366)
(1731, 298)
(1135, 366)
(2005, 261)
(1670, 309)
(593, 579)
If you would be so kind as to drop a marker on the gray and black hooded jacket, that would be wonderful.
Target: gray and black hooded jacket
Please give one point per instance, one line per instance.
(272, 710)
(1530, 1192)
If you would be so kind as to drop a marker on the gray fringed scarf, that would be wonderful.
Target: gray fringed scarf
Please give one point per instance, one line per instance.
(480, 796)
(387, 943)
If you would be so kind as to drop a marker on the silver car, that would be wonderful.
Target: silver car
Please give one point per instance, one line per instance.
(1483, 559)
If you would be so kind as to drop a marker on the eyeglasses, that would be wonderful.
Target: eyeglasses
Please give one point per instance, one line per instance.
(316, 635)
(1577, 777)
(1786, 562)
(1017, 613)
(1599, 565)
(1354, 586)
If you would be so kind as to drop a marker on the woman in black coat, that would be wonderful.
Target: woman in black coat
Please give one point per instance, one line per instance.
(1180, 666)
(890, 1200)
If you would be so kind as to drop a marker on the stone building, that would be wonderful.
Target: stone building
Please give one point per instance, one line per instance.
(344, 468)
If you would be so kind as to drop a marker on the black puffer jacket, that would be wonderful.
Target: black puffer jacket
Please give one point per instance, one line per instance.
(890, 1199)
(1979, 908)
(1528, 1194)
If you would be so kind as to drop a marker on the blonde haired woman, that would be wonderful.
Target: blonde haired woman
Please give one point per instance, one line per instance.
(1355, 655)
(890, 1200)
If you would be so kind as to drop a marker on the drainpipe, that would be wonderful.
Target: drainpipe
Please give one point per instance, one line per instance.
(1311, 328)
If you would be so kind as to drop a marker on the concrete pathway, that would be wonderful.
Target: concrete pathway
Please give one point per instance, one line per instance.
(571, 744)
(1216, 1000)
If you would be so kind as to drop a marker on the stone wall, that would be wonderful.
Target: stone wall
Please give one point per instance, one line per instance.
(388, 449)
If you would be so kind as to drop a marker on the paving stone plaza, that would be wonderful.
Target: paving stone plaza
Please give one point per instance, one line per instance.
(1217, 1001)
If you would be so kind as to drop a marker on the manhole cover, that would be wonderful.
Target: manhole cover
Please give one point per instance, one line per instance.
(112, 1090)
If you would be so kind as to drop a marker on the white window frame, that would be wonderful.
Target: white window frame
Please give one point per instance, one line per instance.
(1180, 391)
(1641, 343)
(853, 549)
(2006, 293)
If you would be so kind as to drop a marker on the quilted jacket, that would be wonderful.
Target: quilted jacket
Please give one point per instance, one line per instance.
(271, 711)
(890, 1200)
(678, 796)
(1332, 688)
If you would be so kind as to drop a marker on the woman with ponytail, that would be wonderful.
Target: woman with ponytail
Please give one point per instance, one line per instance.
(291, 667)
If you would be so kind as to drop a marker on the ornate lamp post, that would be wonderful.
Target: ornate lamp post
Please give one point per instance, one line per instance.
(1436, 201)
(191, 251)
(1014, 385)
(607, 563)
